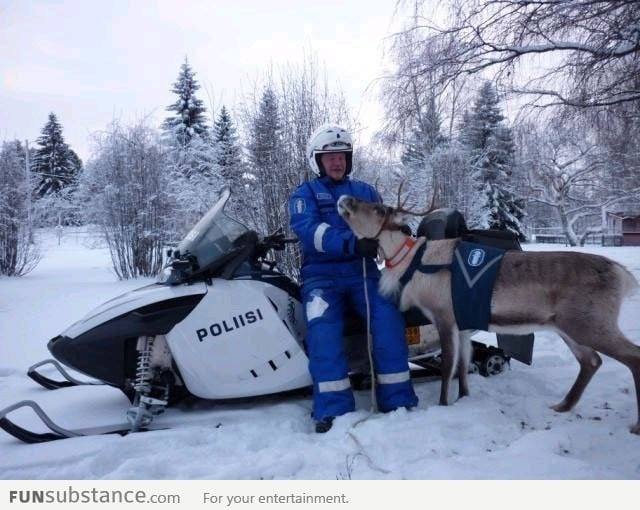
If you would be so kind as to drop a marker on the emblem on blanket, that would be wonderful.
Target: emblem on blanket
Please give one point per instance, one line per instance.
(476, 257)
(473, 274)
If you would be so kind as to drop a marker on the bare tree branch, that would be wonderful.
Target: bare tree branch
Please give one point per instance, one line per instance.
(593, 48)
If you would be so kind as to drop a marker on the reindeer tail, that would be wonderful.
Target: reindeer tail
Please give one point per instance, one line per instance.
(629, 283)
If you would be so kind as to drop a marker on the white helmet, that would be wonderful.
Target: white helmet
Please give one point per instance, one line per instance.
(329, 138)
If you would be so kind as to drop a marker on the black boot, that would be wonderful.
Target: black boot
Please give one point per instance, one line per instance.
(324, 425)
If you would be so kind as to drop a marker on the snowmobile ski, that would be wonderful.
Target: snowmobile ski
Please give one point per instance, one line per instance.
(52, 384)
(56, 431)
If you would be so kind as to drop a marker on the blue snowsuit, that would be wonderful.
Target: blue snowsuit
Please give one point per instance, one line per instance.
(332, 278)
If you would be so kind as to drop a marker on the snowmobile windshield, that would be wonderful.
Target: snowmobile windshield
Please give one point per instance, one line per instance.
(214, 236)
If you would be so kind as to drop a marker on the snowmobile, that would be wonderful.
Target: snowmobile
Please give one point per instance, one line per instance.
(221, 322)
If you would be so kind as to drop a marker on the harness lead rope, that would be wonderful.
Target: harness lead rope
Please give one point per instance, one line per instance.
(374, 400)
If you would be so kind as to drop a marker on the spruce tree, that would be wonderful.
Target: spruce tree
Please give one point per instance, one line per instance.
(75, 162)
(425, 137)
(18, 253)
(423, 140)
(413, 156)
(264, 148)
(189, 118)
(56, 165)
(271, 166)
(491, 149)
(265, 134)
(228, 148)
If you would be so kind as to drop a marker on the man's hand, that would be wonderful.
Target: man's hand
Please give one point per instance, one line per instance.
(367, 247)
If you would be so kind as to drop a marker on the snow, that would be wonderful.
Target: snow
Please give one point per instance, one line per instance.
(504, 430)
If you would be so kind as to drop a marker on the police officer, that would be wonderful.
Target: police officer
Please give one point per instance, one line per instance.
(333, 277)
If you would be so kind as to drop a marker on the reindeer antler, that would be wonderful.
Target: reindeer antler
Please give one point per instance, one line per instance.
(432, 206)
(400, 194)
(401, 205)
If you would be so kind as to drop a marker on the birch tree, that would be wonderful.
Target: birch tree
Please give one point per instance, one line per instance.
(569, 174)
(574, 53)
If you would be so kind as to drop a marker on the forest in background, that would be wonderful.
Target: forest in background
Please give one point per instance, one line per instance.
(569, 150)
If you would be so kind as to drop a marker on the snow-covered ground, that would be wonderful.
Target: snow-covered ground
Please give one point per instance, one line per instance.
(504, 430)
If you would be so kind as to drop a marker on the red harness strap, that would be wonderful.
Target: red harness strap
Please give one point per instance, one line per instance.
(402, 252)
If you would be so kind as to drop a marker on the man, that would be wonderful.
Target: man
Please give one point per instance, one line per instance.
(333, 278)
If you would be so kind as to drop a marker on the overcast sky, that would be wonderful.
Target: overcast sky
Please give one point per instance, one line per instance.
(94, 60)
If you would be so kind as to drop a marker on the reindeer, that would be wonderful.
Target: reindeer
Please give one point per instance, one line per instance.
(577, 295)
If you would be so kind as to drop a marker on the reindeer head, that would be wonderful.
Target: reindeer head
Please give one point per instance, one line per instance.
(370, 219)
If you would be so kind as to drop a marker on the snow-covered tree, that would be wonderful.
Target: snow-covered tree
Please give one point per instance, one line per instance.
(128, 182)
(416, 109)
(54, 162)
(229, 154)
(191, 156)
(188, 119)
(278, 123)
(18, 255)
(425, 137)
(195, 181)
(450, 163)
(616, 130)
(491, 149)
(571, 177)
(265, 148)
(421, 175)
(590, 49)
(413, 155)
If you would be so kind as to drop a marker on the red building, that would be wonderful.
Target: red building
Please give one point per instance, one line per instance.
(623, 227)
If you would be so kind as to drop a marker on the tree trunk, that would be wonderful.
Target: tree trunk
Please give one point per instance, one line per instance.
(567, 229)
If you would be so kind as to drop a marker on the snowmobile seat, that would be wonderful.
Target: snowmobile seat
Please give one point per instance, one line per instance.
(502, 239)
(444, 223)
(450, 223)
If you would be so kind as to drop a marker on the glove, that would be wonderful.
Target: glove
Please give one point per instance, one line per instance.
(406, 230)
(367, 247)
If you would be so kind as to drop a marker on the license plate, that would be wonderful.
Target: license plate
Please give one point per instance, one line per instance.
(413, 335)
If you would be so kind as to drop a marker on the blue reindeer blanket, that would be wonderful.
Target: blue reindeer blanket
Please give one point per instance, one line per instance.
(473, 274)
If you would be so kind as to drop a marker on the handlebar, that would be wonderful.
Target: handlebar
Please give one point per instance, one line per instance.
(277, 241)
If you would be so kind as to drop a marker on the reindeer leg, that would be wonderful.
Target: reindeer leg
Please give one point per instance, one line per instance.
(464, 358)
(449, 345)
(609, 340)
(589, 361)
(635, 429)
(620, 348)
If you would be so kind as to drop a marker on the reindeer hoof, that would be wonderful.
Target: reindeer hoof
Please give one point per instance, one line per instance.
(636, 429)
(443, 403)
(562, 407)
